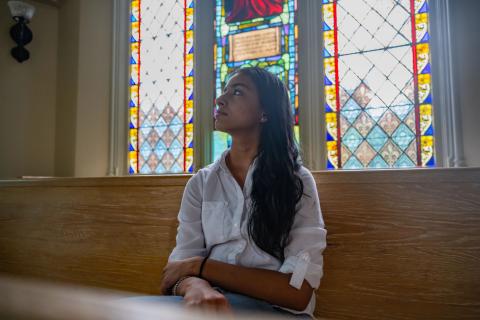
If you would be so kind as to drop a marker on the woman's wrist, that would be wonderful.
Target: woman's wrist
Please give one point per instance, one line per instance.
(195, 266)
(191, 282)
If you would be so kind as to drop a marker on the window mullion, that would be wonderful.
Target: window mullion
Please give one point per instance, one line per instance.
(204, 85)
(311, 117)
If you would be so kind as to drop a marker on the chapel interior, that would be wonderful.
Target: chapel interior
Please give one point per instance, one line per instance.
(106, 111)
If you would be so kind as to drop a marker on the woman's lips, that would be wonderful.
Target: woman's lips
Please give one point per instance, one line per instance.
(220, 113)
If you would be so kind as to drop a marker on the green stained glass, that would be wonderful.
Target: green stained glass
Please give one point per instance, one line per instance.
(280, 14)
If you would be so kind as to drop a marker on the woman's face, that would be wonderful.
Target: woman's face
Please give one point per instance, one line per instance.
(238, 107)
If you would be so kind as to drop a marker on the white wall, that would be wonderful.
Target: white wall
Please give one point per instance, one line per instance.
(27, 97)
(67, 89)
(93, 97)
(83, 88)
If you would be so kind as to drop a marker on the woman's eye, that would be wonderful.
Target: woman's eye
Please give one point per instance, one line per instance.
(237, 92)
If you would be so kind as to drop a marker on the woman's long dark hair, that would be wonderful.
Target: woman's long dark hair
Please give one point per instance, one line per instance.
(276, 187)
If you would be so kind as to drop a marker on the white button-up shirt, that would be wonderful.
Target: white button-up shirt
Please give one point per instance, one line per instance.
(213, 218)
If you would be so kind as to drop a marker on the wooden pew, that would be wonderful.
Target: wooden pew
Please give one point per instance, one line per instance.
(402, 244)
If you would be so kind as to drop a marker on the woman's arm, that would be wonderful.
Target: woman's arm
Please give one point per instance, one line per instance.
(268, 285)
(190, 240)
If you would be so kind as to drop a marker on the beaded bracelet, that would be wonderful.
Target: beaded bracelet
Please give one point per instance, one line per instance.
(177, 284)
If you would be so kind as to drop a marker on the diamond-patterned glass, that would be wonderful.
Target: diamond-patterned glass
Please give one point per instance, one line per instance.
(161, 87)
(377, 84)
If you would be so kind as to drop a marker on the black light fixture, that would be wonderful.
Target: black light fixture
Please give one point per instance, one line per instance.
(22, 13)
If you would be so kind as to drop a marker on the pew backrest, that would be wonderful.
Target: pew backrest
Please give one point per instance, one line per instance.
(402, 244)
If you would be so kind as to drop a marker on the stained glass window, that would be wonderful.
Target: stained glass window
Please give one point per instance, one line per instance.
(255, 33)
(377, 84)
(161, 87)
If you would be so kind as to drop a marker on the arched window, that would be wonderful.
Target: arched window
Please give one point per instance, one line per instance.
(161, 87)
(255, 33)
(378, 98)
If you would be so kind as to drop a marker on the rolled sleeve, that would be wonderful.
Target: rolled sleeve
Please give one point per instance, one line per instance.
(307, 239)
(190, 239)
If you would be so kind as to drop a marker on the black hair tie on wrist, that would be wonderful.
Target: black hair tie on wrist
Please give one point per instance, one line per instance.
(201, 266)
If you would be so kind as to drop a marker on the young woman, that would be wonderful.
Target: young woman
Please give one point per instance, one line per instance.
(251, 233)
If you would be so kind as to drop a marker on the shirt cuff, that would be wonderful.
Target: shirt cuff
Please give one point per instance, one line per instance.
(186, 253)
(302, 269)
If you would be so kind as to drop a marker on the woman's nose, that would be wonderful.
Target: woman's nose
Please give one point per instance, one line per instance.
(220, 101)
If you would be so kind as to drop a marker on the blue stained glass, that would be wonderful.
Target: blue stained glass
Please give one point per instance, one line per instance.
(428, 99)
(329, 137)
(351, 110)
(429, 131)
(377, 138)
(176, 151)
(431, 162)
(353, 163)
(161, 122)
(352, 139)
(403, 136)
(161, 145)
(160, 168)
(176, 145)
(145, 169)
(427, 69)
(404, 162)
(176, 168)
(402, 111)
(424, 8)
(376, 112)
(327, 108)
(145, 149)
(330, 166)
(378, 163)
(425, 38)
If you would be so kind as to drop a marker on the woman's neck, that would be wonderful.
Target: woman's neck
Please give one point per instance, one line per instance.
(242, 153)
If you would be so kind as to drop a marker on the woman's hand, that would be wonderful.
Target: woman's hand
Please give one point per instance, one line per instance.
(175, 270)
(199, 294)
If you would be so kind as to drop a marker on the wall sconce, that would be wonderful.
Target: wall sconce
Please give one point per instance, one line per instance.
(22, 13)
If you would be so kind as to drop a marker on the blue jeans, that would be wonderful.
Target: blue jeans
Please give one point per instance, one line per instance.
(239, 303)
